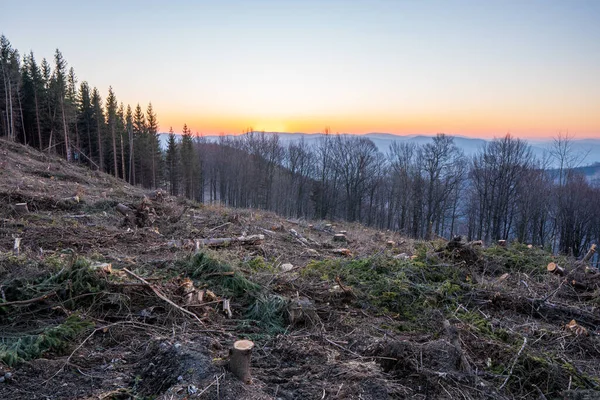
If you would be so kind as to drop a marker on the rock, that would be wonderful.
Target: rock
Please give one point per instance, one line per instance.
(286, 267)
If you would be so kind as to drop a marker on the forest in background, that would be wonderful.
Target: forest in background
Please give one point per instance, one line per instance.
(422, 191)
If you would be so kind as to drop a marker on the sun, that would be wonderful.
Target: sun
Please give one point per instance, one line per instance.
(270, 126)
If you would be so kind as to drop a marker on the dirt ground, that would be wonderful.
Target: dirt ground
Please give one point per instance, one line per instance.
(374, 316)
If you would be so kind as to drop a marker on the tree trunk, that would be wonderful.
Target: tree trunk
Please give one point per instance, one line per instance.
(131, 158)
(66, 132)
(122, 159)
(37, 120)
(114, 143)
(100, 151)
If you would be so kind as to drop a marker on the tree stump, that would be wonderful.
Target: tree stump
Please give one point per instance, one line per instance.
(239, 360)
(339, 237)
(21, 208)
(17, 246)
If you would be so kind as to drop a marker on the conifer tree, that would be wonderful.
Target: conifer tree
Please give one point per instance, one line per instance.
(99, 121)
(37, 89)
(153, 142)
(172, 163)
(129, 127)
(85, 115)
(71, 106)
(111, 121)
(140, 147)
(59, 89)
(122, 136)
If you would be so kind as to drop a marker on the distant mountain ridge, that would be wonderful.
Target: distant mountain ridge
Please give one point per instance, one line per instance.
(589, 149)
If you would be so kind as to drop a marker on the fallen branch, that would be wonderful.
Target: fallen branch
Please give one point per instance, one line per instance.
(514, 363)
(220, 226)
(123, 209)
(452, 333)
(25, 302)
(220, 242)
(589, 254)
(268, 232)
(10, 223)
(163, 297)
(227, 308)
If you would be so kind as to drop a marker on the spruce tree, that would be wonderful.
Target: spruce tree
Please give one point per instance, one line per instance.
(85, 117)
(111, 121)
(59, 90)
(173, 163)
(153, 142)
(140, 146)
(98, 121)
(37, 84)
(129, 127)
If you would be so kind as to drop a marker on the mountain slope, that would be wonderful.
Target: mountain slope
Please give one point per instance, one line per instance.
(96, 305)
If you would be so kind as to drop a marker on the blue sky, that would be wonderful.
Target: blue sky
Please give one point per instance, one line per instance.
(477, 68)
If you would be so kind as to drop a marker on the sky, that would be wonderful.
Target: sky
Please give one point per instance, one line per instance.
(472, 68)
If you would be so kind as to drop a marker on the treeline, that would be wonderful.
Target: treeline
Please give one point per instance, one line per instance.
(503, 192)
(43, 105)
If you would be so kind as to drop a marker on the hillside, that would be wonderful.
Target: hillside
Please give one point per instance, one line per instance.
(588, 149)
(100, 305)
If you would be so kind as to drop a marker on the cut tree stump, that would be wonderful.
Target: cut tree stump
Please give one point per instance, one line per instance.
(239, 360)
(17, 246)
(339, 237)
(555, 269)
(21, 208)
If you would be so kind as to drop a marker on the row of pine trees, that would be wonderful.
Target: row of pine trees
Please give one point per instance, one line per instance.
(44, 105)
